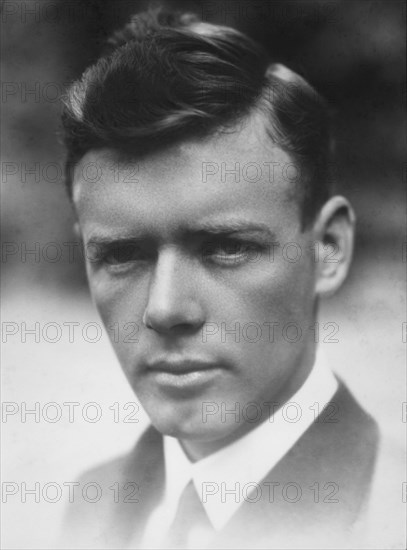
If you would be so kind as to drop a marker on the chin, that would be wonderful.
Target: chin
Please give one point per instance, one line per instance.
(193, 429)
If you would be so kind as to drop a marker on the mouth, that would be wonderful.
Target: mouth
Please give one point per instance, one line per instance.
(183, 374)
(180, 366)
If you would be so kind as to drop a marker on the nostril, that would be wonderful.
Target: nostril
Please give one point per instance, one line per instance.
(184, 328)
(146, 321)
(178, 322)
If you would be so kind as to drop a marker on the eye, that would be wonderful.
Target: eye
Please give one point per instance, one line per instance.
(121, 254)
(228, 250)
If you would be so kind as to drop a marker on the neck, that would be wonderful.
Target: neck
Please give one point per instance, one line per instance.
(197, 450)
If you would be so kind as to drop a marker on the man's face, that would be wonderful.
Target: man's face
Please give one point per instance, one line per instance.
(191, 266)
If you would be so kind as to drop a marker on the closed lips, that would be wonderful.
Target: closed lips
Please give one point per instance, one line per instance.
(181, 367)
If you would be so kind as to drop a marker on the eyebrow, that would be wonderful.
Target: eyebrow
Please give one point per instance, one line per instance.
(230, 226)
(204, 228)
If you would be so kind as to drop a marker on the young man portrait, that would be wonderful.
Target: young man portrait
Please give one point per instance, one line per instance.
(215, 229)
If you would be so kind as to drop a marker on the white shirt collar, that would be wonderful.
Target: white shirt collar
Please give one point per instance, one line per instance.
(224, 479)
(238, 467)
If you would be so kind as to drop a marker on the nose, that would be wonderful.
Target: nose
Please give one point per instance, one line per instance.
(174, 298)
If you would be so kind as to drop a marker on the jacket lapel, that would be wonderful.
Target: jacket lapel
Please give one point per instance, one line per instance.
(317, 491)
(144, 466)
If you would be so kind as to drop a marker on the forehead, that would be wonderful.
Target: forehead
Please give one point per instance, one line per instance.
(239, 171)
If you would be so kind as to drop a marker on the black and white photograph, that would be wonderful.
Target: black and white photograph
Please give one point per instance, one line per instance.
(203, 291)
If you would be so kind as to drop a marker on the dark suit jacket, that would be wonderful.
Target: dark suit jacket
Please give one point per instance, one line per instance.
(334, 463)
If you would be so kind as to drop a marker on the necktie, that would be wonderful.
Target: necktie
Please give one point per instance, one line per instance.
(190, 519)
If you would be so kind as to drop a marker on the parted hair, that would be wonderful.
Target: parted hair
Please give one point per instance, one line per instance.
(167, 76)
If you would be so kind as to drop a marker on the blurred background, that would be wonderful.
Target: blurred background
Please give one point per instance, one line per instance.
(353, 53)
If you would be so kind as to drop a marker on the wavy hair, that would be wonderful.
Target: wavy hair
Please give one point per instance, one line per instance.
(167, 76)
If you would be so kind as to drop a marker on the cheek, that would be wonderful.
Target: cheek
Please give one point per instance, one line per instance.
(120, 308)
(118, 299)
(273, 290)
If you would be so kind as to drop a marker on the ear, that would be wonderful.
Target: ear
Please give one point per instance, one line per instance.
(334, 230)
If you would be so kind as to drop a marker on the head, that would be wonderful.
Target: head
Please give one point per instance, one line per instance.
(200, 174)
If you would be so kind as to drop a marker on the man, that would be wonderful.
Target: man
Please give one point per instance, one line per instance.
(200, 175)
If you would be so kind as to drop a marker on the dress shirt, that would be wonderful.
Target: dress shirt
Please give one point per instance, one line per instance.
(228, 477)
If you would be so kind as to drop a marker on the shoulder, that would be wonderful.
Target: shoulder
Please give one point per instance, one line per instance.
(390, 469)
(105, 470)
(385, 513)
(134, 463)
(109, 498)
